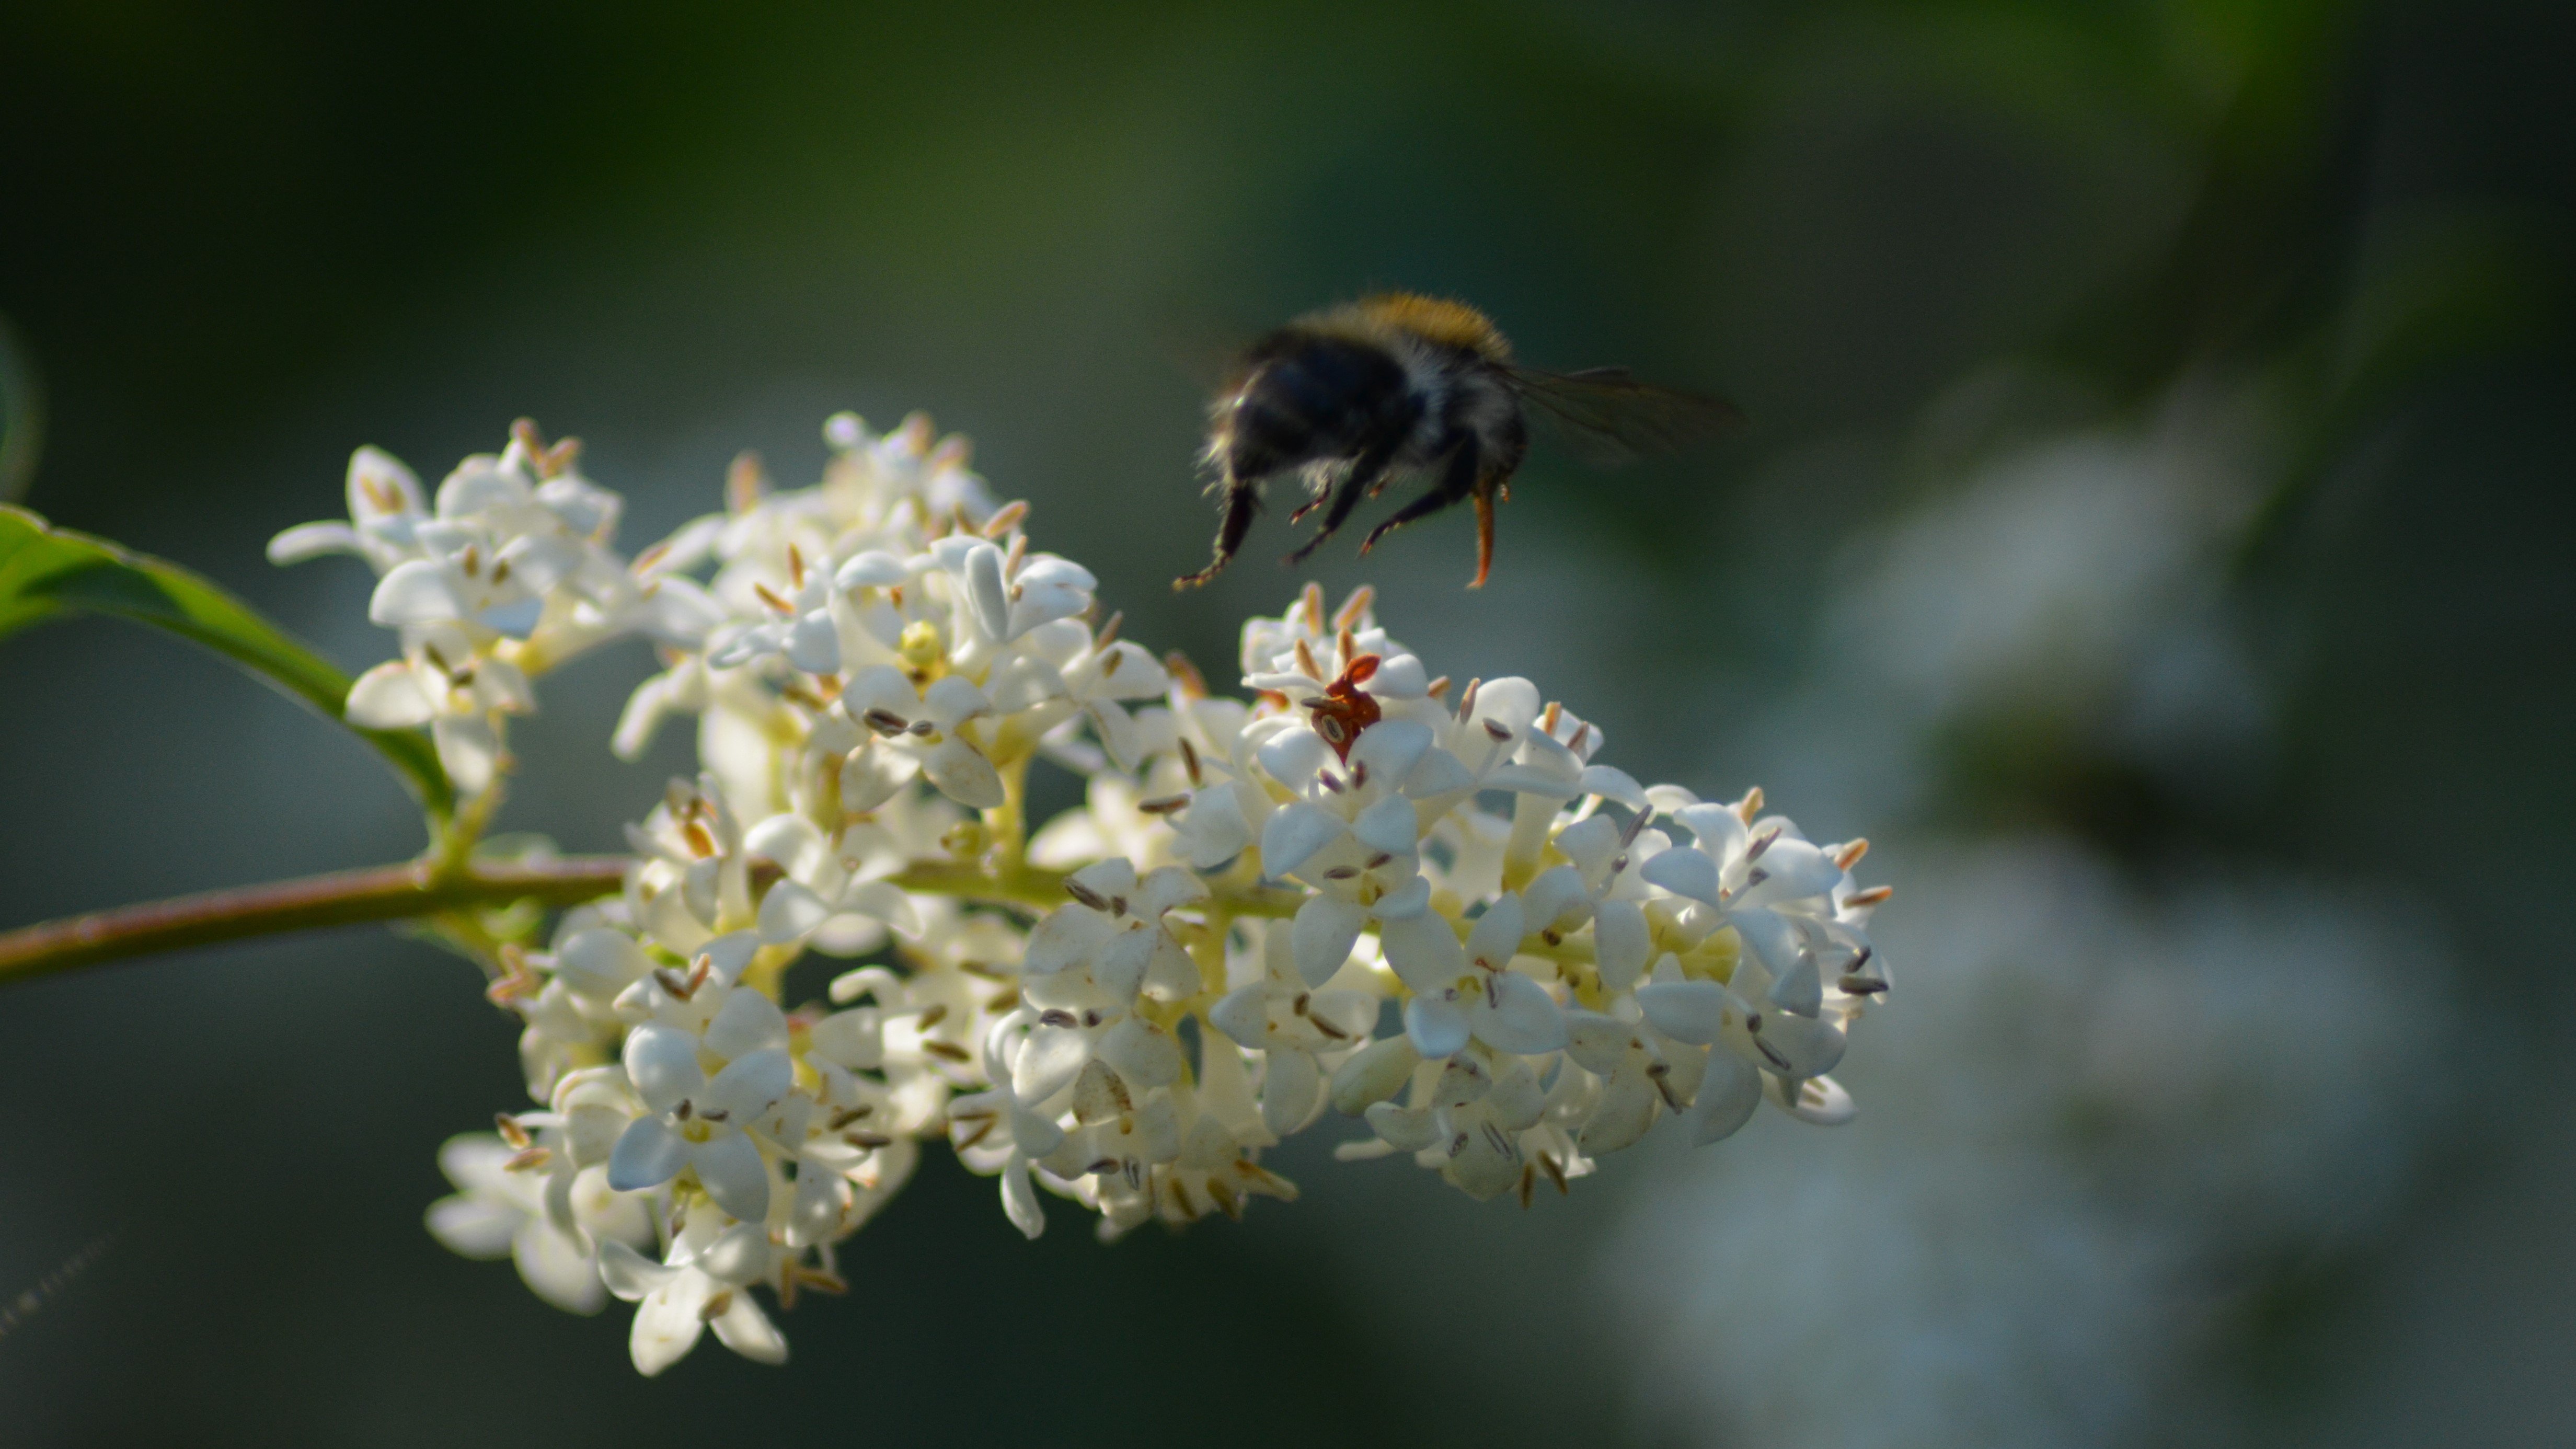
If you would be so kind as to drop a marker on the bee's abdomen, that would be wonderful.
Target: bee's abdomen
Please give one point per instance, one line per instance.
(1309, 398)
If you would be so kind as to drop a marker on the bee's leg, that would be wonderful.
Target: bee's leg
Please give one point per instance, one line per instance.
(1490, 489)
(1457, 484)
(1242, 501)
(1367, 475)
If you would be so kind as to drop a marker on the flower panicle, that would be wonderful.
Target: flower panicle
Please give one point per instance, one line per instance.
(1123, 1006)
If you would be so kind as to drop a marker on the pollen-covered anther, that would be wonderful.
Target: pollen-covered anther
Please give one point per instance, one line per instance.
(511, 1132)
(1349, 614)
(1875, 895)
(770, 597)
(530, 1158)
(1005, 518)
(1306, 664)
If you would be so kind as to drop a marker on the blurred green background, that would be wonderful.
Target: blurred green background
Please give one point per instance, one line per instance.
(2153, 530)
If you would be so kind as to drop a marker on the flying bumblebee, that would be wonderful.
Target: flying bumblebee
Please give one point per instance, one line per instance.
(1353, 395)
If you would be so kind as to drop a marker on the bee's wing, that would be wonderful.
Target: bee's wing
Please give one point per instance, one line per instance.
(1614, 418)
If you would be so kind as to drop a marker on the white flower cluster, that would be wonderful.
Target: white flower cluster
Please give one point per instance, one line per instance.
(1124, 1008)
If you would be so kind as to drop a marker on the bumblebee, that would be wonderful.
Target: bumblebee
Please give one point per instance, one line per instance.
(1355, 395)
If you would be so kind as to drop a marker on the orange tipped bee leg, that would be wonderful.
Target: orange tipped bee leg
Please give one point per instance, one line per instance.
(1242, 501)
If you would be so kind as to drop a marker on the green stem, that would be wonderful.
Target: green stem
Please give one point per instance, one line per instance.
(384, 893)
(421, 888)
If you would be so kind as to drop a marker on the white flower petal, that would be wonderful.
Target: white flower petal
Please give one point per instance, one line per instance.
(746, 1330)
(474, 1227)
(1684, 872)
(1325, 930)
(1424, 952)
(1292, 835)
(1521, 1017)
(790, 912)
(747, 1022)
(1727, 1097)
(1496, 936)
(647, 1154)
(963, 774)
(667, 1326)
(417, 591)
(1389, 826)
(1244, 1014)
(557, 1269)
(1435, 1025)
(1690, 1011)
(731, 1170)
(662, 1062)
(388, 697)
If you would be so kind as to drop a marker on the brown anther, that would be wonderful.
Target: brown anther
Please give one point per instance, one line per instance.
(1164, 805)
(1347, 617)
(1085, 894)
(1190, 762)
(528, 1159)
(672, 981)
(1327, 778)
(885, 722)
(921, 729)
(1311, 599)
(1328, 1029)
(894, 595)
(848, 1115)
(702, 842)
(1306, 664)
(1342, 872)
(1193, 685)
(501, 572)
(650, 559)
(1875, 895)
(1548, 718)
(510, 1130)
(1057, 1016)
(1750, 805)
(1582, 732)
(1861, 985)
(1850, 854)
(1379, 859)
(1003, 1002)
(1359, 775)
(948, 1051)
(1552, 936)
(472, 562)
(867, 1141)
(745, 482)
(1440, 686)
(1467, 698)
(832, 1284)
(1091, 1018)
(1497, 730)
(937, 1013)
(1529, 1180)
(1343, 648)
(1555, 1171)
(1109, 663)
(983, 1129)
(1005, 518)
(984, 969)
(1108, 634)
(760, 873)
(770, 597)
(683, 1110)
(1771, 1055)
(718, 1304)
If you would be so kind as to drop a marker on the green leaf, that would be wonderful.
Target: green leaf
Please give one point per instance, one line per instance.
(47, 571)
